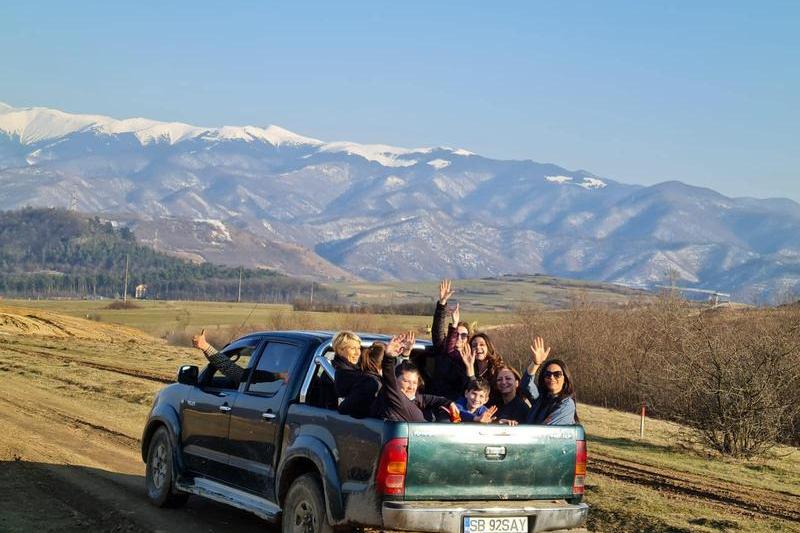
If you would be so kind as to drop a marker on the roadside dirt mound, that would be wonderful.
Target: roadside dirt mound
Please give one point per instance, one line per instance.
(21, 321)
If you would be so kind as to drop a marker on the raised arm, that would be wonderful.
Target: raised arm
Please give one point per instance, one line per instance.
(228, 368)
(394, 398)
(538, 355)
(468, 358)
(453, 341)
(439, 327)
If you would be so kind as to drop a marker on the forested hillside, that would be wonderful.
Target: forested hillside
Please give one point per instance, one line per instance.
(54, 252)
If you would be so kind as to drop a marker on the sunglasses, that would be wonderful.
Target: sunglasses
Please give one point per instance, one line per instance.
(558, 374)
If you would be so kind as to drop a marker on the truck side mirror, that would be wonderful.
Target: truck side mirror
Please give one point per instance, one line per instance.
(187, 375)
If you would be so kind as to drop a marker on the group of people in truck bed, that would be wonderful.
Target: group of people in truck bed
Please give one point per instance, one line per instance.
(470, 382)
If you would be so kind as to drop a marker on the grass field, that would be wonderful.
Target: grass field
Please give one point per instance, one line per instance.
(502, 294)
(161, 318)
(87, 387)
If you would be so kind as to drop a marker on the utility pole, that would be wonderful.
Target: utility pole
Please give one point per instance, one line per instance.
(239, 296)
(125, 290)
(311, 303)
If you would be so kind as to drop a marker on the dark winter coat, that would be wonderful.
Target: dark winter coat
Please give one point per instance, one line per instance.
(358, 388)
(393, 405)
(517, 409)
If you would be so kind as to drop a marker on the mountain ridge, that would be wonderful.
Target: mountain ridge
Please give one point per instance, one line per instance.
(389, 213)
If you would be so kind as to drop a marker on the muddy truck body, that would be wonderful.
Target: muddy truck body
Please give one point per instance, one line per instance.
(275, 445)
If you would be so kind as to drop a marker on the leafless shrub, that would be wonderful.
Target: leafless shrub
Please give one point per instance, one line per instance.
(734, 380)
(126, 304)
(733, 376)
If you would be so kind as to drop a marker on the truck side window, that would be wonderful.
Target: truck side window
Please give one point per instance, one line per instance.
(240, 350)
(273, 368)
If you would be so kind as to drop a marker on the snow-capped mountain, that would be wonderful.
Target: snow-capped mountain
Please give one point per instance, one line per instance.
(267, 196)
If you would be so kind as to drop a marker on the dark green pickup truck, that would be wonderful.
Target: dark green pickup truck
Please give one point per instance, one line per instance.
(275, 445)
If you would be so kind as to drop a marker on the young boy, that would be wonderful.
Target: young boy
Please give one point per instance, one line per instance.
(472, 406)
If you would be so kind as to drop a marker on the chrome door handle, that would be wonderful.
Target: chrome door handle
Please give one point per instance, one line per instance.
(224, 408)
(268, 416)
(191, 403)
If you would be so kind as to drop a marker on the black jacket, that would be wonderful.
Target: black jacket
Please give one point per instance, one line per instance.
(516, 409)
(449, 376)
(439, 327)
(393, 405)
(358, 388)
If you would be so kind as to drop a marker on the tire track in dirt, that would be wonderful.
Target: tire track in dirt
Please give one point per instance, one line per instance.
(57, 415)
(94, 482)
(136, 373)
(747, 500)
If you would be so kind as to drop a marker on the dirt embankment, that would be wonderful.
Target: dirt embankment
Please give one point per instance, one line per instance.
(36, 322)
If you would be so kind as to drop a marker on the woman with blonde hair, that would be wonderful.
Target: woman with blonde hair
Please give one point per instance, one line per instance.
(356, 387)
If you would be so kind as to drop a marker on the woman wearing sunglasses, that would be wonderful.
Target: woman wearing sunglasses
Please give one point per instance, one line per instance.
(552, 395)
(449, 376)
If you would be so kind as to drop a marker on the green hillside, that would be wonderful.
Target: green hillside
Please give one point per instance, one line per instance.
(47, 253)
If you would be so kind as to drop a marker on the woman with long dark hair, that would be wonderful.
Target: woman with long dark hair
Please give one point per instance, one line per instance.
(449, 376)
(552, 393)
(478, 359)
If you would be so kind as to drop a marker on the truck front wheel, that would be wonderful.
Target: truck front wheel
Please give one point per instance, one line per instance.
(158, 476)
(304, 508)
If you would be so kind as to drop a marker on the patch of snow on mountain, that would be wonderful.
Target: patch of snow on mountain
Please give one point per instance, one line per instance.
(388, 156)
(274, 135)
(439, 164)
(33, 157)
(170, 132)
(558, 179)
(34, 124)
(463, 152)
(578, 219)
(393, 182)
(592, 183)
(219, 233)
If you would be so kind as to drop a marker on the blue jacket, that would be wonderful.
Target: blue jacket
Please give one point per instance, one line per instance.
(466, 416)
(546, 408)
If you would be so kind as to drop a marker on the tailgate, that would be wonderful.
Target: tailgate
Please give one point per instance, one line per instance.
(478, 461)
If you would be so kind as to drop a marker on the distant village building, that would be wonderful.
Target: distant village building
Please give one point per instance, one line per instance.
(141, 291)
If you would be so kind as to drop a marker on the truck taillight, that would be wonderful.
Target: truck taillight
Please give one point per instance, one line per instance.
(580, 467)
(391, 478)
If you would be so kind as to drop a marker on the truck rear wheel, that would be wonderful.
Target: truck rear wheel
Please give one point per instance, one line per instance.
(304, 509)
(158, 477)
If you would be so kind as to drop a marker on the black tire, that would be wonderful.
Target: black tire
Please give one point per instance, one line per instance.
(159, 481)
(304, 508)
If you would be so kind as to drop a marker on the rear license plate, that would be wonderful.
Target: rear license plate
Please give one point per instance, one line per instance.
(504, 524)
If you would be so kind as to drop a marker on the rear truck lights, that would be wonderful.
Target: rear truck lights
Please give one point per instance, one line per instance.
(580, 467)
(391, 477)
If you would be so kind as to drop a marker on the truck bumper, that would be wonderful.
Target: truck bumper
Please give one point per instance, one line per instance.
(544, 515)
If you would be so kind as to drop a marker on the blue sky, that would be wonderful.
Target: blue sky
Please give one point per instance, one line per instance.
(703, 92)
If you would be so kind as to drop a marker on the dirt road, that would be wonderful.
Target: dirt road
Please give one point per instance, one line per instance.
(72, 407)
(62, 469)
